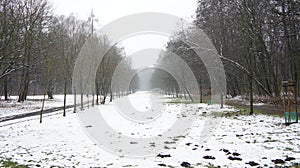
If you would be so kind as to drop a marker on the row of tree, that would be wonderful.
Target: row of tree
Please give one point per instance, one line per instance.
(258, 42)
(38, 51)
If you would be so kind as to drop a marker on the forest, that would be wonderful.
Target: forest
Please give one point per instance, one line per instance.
(222, 92)
(39, 50)
(257, 41)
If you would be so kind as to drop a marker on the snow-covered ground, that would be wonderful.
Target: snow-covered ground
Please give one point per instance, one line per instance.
(34, 103)
(242, 99)
(236, 140)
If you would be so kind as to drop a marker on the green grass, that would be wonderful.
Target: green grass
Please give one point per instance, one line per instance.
(181, 102)
(8, 163)
(212, 166)
(11, 164)
(246, 111)
(243, 112)
(295, 165)
(288, 149)
(176, 100)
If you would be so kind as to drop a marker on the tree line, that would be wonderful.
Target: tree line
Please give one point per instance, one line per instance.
(257, 41)
(38, 51)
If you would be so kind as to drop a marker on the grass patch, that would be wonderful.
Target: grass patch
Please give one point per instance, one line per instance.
(267, 109)
(270, 140)
(255, 111)
(181, 101)
(212, 166)
(230, 113)
(11, 164)
(295, 165)
(288, 149)
(246, 111)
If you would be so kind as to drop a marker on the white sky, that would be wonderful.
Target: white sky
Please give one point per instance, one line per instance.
(108, 10)
(135, 44)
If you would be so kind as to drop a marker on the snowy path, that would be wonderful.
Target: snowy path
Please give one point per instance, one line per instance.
(33, 103)
(238, 140)
(12, 109)
(35, 113)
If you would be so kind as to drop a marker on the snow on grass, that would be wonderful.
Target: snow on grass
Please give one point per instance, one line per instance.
(255, 104)
(34, 103)
(242, 99)
(237, 140)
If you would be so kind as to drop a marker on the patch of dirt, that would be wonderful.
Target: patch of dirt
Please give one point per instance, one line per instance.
(268, 109)
(235, 158)
(209, 157)
(185, 164)
(163, 156)
(278, 161)
(252, 163)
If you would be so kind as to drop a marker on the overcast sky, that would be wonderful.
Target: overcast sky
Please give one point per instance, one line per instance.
(108, 10)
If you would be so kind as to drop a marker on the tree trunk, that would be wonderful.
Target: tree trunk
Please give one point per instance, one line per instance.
(41, 112)
(65, 97)
(81, 100)
(251, 83)
(93, 99)
(97, 93)
(111, 95)
(5, 84)
(184, 94)
(24, 88)
(189, 94)
(74, 111)
(50, 93)
(200, 91)
(104, 98)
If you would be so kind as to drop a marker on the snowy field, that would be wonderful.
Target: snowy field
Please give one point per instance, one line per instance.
(237, 140)
(34, 103)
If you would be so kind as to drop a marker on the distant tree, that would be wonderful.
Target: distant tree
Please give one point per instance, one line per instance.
(255, 35)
